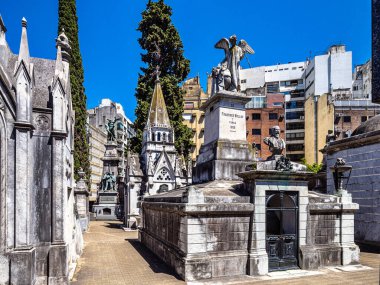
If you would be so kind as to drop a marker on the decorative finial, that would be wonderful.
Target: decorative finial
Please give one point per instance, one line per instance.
(81, 173)
(157, 59)
(24, 23)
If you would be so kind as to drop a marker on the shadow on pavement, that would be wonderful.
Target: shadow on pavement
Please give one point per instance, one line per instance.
(368, 247)
(113, 225)
(157, 265)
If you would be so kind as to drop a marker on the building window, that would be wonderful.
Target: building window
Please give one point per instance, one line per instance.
(244, 81)
(187, 117)
(295, 147)
(256, 131)
(256, 116)
(273, 116)
(158, 137)
(277, 104)
(364, 118)
(347, 119)
(189, 105)
(256, 146)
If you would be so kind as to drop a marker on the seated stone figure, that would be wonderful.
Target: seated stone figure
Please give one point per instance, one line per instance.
(275, 142)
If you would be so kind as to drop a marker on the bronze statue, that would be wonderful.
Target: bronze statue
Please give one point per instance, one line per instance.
(227, 74)
(275, 142)
(111, 132)
(109, 182)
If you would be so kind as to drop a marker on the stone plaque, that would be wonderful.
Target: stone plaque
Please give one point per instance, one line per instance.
(226, 124)
(108, 199)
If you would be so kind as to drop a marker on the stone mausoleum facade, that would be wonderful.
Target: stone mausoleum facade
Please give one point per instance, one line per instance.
(40, 236)
(245, 217)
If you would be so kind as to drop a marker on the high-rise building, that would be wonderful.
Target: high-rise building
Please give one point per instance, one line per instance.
(192, 115)
(339, 111)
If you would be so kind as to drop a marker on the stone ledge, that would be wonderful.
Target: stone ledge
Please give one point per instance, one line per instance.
(209, 209)
(275, 175)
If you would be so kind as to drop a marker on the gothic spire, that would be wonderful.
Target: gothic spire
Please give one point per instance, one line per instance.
(24, 46)
(158, 115)
(3, 30)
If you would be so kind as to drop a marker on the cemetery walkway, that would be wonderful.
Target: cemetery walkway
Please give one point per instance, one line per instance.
(113, 256)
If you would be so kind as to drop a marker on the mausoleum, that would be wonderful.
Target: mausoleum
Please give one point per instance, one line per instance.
(40, 234)
(245, 217)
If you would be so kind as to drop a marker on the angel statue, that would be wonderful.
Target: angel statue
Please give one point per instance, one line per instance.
(226, 75)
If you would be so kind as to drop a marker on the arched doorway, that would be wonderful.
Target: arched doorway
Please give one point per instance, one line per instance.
(281, 229)
(163, 188)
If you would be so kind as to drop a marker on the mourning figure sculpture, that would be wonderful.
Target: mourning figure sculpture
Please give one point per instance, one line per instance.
(227, 75)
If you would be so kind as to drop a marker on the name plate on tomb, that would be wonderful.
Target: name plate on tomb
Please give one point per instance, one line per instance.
(108, 198)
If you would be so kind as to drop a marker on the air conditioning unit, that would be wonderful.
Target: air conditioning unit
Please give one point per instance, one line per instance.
(302, 117)
(339, 115)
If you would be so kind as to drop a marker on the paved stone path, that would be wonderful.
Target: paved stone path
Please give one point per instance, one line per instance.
(112, 257)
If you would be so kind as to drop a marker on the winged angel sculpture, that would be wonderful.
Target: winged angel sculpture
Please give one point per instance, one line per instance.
(226, 74)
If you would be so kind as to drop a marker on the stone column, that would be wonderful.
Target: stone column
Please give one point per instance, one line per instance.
(258, 257)
(81, 200)
(23, 256)
(350, 251)
(58, 255)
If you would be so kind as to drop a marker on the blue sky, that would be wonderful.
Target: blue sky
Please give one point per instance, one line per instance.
(279, 31)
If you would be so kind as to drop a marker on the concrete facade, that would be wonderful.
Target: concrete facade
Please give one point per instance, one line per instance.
(193, 116)
(319, 120)
(40, 234)
(97, 139)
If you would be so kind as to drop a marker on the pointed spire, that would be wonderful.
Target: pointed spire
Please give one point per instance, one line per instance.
(3, 30)
(24, 46)
(158, 115)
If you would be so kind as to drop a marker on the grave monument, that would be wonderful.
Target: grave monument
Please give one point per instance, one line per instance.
(108, 206)
(237, 222)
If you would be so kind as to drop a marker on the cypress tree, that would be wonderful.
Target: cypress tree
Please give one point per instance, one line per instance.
(157, 29)
(68, 21)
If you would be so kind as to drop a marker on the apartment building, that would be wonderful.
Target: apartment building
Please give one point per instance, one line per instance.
(264, 113)
(287, 80)
(192, 115)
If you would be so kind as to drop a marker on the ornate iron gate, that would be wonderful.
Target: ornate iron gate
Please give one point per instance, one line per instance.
(281, 229)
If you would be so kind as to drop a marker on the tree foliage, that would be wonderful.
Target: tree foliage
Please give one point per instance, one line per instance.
(315, 167)
(68, 21)
(156, 27)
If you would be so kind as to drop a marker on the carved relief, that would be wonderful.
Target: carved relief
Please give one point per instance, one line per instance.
(42, 123)
(2, 105)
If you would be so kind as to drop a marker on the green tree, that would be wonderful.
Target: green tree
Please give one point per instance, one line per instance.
(68, 21)
(157, 28)
(315, 167)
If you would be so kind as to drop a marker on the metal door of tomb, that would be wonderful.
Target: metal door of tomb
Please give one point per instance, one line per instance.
(281, 229)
